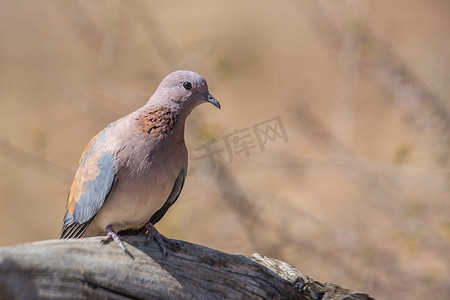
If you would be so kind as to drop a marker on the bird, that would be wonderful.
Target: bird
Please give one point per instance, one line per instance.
(133, 171)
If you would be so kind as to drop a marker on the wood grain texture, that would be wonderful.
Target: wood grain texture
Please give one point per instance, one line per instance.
(85, 269)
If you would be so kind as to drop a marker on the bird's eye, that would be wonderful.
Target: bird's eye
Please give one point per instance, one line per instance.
(187, 85)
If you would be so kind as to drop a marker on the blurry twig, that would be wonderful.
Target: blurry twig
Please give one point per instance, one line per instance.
(284, 221)
(248, 210)
(347, 83)
(82, 22)
(158, 37)
(18, 154)
(120, 93)
(311, 126)
(423, 109)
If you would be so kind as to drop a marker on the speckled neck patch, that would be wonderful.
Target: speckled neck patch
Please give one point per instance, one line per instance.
(157, 122)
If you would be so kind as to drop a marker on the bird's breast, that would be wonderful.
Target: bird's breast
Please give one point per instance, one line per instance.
(145, 178)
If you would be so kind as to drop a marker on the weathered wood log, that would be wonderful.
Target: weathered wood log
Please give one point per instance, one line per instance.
(86, 269)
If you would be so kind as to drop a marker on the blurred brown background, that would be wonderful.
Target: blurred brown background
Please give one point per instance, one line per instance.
(355, 191)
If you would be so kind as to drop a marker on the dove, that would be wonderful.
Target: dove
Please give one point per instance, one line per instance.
(133, 171)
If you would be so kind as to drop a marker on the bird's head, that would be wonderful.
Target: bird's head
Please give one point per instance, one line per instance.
(183, 91)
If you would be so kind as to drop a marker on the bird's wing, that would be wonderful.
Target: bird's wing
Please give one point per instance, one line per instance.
(92, 185)
(176, 190)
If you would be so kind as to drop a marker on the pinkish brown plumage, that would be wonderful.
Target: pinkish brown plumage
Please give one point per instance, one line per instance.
(133, 170)
(157, 122)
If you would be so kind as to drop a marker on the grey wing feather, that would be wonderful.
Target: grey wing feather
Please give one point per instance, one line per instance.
(95, 192)
(176, 190)
(73, 230)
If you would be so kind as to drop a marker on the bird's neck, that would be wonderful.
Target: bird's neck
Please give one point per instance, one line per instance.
(160, 122)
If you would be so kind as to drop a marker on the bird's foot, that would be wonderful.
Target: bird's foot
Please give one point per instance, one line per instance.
(112, 235)
(153, 233)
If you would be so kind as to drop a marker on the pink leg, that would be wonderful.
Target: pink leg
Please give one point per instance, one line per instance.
(154, 233)
(112, 235)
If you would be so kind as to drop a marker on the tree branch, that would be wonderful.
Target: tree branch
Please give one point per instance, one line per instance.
(83, 268)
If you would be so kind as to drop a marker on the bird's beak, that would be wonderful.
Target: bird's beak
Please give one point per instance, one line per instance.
(211, 99)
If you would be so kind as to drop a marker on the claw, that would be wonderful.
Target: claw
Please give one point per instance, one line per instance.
(153, 233)
(112, 235)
